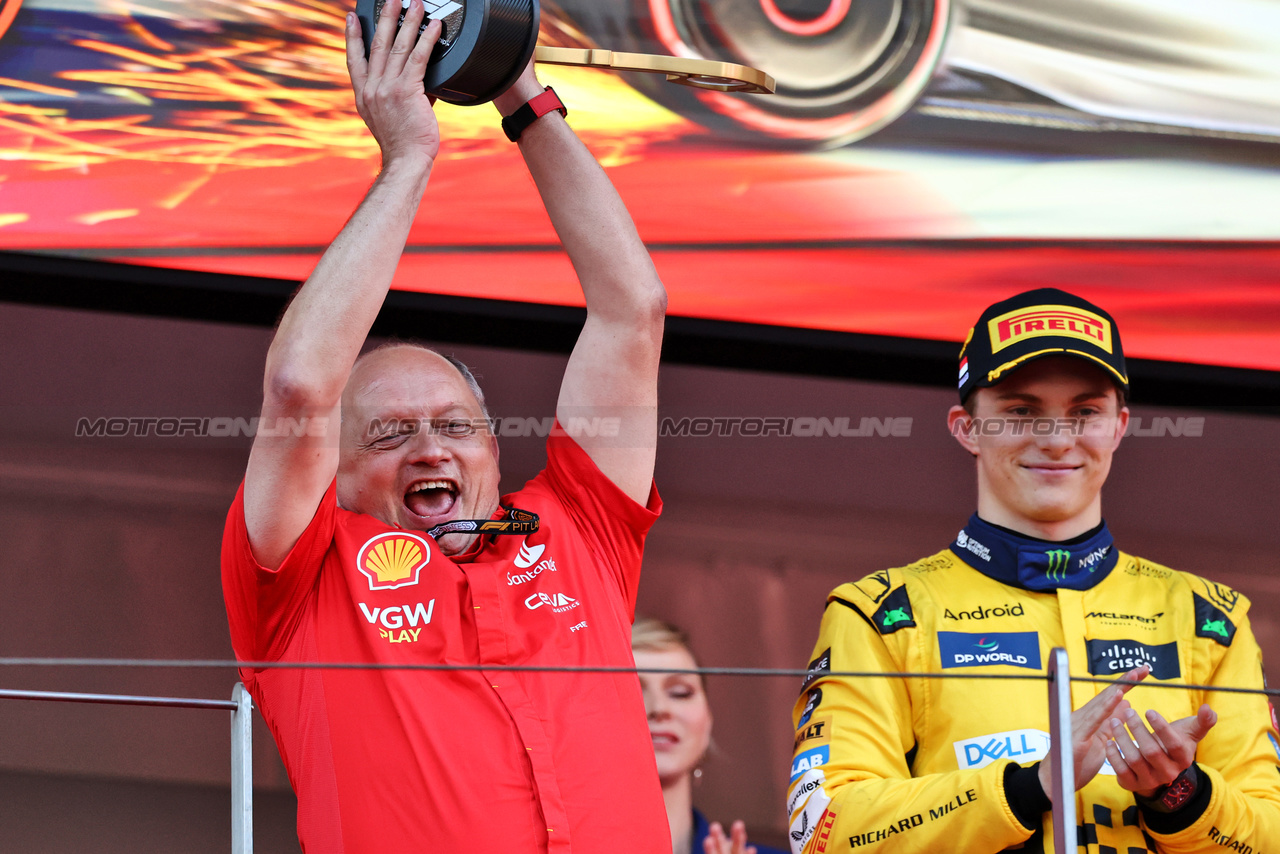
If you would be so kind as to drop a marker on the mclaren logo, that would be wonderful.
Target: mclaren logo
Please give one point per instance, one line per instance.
(1114, 617)
(529, 554)
(1057, 320)
(393, 560)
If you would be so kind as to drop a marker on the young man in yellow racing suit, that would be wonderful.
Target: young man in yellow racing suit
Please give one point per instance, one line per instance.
(888, 764)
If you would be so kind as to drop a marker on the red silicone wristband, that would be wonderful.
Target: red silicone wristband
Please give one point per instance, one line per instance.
(538, 106)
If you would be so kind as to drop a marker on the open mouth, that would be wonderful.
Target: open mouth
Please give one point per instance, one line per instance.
(431, 498)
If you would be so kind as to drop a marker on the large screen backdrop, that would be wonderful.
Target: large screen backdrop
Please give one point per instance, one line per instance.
(919, 160)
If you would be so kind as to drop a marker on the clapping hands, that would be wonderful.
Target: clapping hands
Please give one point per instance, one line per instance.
(735, 843)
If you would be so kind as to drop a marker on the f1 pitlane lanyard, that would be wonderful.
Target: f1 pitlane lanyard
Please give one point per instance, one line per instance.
(516, 521)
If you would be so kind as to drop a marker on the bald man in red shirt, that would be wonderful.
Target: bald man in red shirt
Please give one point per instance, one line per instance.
(371, 548)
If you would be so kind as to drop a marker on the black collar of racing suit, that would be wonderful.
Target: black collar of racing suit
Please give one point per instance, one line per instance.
(1034, 564)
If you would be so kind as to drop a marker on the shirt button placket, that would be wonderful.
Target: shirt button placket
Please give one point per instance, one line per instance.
(491, 633)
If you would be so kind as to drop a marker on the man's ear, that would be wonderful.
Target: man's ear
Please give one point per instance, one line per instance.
(960, 423)
(1122, 426)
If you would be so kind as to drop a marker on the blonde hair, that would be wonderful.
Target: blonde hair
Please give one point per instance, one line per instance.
(651, 634)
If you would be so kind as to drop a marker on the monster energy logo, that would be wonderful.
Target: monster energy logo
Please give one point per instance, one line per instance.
(1058, 560)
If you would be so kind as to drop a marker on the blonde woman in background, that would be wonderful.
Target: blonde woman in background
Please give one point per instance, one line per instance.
(680, 725)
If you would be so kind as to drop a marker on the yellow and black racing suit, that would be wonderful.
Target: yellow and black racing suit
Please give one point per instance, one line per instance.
(919, 765)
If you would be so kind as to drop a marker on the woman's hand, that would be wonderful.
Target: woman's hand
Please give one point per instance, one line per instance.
(735, 843)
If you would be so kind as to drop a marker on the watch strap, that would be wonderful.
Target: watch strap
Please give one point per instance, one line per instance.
(535, 108)
(1175, 796)
(1167, 823)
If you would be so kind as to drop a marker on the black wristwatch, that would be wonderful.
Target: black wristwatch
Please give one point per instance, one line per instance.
(537, 107)
(1174, 796)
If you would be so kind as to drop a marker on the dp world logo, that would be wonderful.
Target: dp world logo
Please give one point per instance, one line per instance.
(991, 649)
(1058, 561)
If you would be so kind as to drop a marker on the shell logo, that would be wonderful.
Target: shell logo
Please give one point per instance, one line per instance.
(393, 560)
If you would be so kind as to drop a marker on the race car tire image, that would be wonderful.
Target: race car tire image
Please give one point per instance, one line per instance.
(844, 68)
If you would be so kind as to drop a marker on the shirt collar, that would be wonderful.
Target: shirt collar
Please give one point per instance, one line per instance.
(1034, 564)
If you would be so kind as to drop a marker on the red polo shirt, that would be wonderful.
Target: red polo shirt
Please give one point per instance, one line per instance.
(387, 761)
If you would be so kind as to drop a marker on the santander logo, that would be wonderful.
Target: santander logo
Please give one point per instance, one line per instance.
(529, 556)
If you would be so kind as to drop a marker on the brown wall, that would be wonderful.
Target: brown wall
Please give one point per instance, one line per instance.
(109, 548)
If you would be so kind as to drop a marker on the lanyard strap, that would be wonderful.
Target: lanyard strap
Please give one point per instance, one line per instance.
(516, 521)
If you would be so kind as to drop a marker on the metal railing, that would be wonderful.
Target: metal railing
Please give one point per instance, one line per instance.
(1064, 760)
(1057, 676)
(241, 707)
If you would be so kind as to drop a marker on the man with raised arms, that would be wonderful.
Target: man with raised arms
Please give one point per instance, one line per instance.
(938, 765)
(372, 547)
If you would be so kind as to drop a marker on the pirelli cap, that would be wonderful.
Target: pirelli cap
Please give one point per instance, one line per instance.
(1034, 324)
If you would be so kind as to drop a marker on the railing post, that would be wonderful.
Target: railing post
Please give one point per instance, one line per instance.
(1064, 761)
(241, 772)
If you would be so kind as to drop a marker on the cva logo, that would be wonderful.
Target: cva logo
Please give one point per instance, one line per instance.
(558, 602)
(393, 560)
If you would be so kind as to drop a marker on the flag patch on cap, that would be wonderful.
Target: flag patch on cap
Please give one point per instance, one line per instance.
(964, 370)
